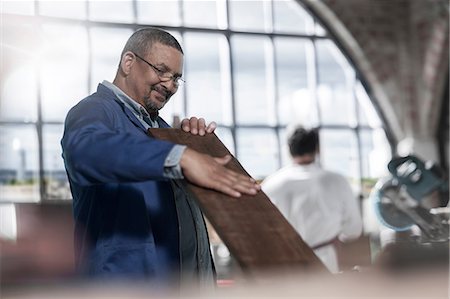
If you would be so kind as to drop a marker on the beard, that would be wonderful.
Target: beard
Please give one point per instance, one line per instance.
(156, 105)
(152, 106)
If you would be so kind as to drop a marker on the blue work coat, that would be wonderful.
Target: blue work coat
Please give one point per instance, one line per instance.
(126, 222)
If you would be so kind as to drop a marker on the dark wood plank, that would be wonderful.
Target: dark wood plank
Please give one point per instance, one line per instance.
(252, 228)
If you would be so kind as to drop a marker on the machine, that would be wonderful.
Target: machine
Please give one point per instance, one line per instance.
(416, 193)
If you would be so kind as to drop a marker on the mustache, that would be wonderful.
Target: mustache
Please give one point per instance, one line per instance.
(167, 94)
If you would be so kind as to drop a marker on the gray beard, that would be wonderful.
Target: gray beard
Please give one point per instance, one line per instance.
(150, 106)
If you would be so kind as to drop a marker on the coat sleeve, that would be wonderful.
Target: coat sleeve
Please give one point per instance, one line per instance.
(98, 148)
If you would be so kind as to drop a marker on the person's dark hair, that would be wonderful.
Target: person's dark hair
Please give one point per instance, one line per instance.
(303, 141)
(142, 40)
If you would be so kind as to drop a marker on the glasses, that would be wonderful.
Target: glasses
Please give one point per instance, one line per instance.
(163, 76)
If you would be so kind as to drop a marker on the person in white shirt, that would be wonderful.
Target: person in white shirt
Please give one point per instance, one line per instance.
(318, 203)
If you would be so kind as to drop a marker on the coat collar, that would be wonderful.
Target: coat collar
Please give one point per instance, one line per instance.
(111, 95)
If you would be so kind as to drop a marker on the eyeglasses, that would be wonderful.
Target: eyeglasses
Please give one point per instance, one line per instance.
(163, 76)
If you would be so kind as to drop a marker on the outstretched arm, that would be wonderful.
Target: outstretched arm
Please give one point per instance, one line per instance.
(209, 172)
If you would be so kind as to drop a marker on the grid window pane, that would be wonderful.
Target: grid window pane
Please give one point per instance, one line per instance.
(253, 86)
(106, 47)
(290, 17)
(19, 106)
(375, 155)
(64, 9)
(111, 11)
(335, 83)
(206, 87)
(201, 13)
(158, 12)
(18, 7)
(18, 84)
(339, 153)
(56, 183)
(296, 103)
(319, 30)
(251, 15)
(224, 134)
(285, 154)
(19, 164)
(367, 115)
(257, 149)
(64, 70)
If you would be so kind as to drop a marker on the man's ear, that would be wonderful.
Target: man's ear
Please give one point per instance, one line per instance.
(127, 61)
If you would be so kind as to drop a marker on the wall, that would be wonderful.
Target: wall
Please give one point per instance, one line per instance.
(401, 48)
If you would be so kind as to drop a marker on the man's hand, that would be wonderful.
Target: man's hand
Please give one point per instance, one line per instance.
(196, 126)
(209, 172)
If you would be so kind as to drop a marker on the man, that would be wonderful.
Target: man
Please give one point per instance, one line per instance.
(133, 217)
(319, 204)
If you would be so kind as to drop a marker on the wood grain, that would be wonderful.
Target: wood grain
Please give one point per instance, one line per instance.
(253, 229)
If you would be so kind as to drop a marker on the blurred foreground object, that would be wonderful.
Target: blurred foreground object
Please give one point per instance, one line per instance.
(43, 250)
(374, 284)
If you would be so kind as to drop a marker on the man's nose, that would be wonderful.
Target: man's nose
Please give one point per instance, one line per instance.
(170, 85)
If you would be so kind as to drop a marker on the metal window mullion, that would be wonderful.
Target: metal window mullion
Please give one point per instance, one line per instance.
(186, 65)
(358, 135)
(89, 58)
(39, 123)
(135, 11)
(268, 21)
(276, 101)
(89, 44)
(227, 34)
(36, 8)
(313, 79)
(232, 94)
(65, 20)
(182, 34)
(181, 12)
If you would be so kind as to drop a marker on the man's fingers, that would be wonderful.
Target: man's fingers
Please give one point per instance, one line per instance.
(238, 182)
(201, 126)
(209, 172)
(228, 190)
(193, 121)
(211, 127)
(185, 125)
(198, 126)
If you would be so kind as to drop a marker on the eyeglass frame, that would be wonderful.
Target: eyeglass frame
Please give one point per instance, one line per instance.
(162, 75)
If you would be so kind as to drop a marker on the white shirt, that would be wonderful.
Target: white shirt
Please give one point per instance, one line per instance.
(319, 204)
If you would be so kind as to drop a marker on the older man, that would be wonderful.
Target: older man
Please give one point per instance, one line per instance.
(134, 219)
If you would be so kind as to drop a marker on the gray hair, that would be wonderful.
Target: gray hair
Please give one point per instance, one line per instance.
(141, 41)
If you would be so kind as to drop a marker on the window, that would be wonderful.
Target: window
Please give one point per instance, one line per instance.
(19, 164)
(257, 75)
(294, 61)
(253, 81)
(63, 63)
(208, 85)
(257, 68)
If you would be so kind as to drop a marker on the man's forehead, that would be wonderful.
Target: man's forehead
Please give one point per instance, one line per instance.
(160, 47)
(167, 56)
